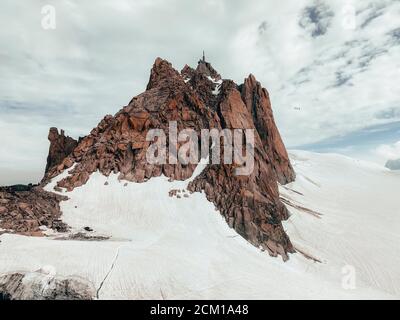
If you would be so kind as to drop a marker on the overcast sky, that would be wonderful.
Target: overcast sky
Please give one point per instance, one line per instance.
(329, 72)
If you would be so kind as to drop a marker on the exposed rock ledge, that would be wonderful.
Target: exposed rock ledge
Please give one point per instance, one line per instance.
(42, 285)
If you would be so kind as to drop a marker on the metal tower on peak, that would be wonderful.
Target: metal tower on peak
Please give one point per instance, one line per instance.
(204, 57)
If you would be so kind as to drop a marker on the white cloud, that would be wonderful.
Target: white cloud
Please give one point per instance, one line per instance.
(340, 80)
(389, 151)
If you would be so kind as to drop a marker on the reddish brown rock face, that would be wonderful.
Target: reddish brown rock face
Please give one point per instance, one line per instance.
(60, 147)
(119, 143)
(196, 99)
(250, 204)
(205, 68)
(25, 211)
(258, 104)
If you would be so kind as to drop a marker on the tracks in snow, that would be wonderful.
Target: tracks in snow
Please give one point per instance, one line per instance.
(109, 272)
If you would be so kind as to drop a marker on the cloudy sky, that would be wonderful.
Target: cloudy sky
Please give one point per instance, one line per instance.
(332, 67)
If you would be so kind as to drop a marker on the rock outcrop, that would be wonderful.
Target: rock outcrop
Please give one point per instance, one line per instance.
(249, 203)
(42, 285)
(205, 68)
(27, 210)
(258, 104)
(60, 147)
(196, 99)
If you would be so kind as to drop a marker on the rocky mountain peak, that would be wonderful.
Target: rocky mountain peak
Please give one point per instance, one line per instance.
(206, 69)
(197, 99)
(162, 71)
(187, 72)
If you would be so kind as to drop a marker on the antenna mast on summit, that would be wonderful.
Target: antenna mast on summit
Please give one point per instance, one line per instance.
(204, 57)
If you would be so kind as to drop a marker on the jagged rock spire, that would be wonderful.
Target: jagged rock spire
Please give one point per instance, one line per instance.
(258, 104)
(196, 99)
(60, 147)
(161, 71)
(206, 68)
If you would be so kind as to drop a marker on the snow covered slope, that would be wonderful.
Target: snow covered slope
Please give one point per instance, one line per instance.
(358, 224)
(344, 214)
